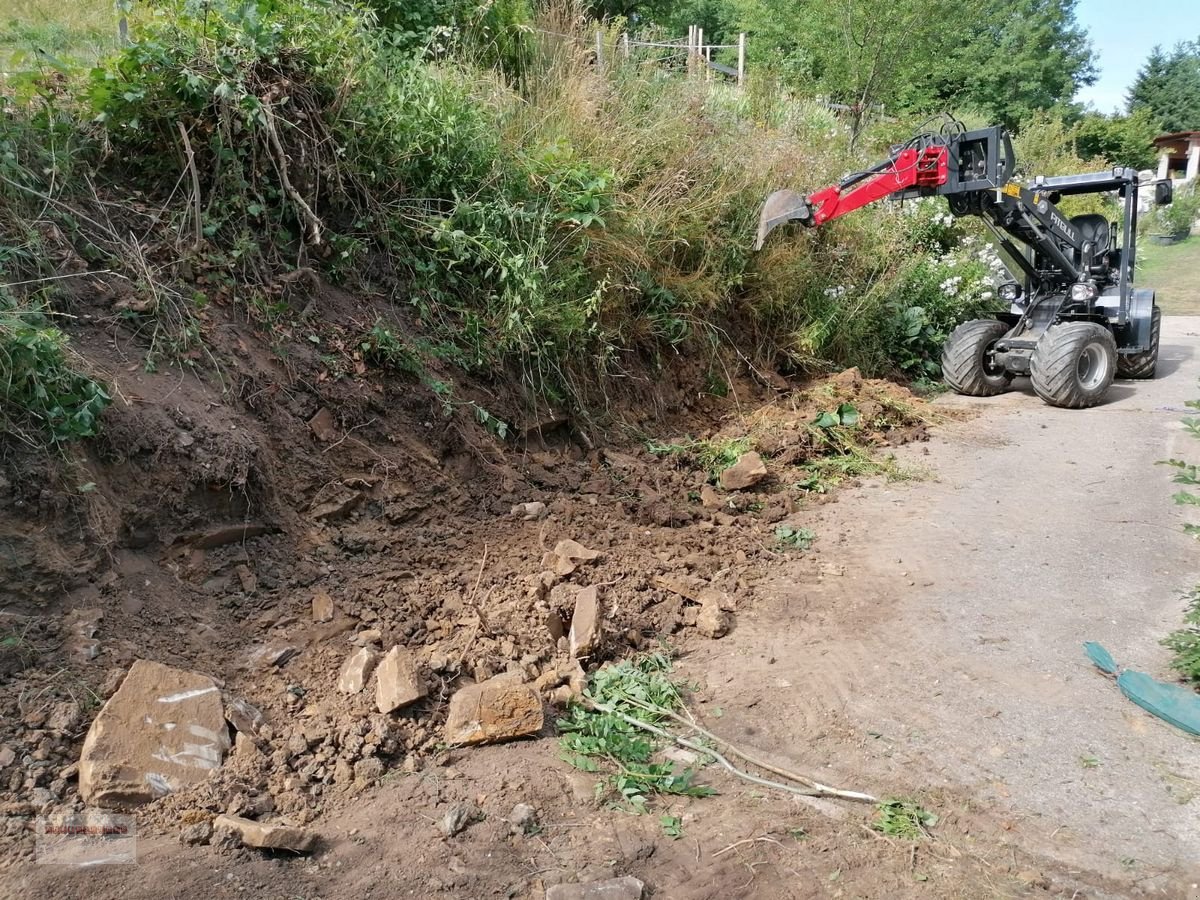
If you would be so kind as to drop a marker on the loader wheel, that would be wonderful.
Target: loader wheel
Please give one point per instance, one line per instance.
(967, 364)
(1142, 365)
(1074, 364)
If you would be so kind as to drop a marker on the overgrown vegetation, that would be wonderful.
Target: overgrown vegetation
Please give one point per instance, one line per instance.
(531, 212)
(42, 396)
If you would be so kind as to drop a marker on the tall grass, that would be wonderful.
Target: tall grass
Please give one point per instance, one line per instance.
(49, 33)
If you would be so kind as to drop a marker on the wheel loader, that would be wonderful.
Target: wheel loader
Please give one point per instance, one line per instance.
(1075, 320)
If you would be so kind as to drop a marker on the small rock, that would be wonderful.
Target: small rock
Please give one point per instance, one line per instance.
(368, 770)
(267, 656)
(198, 833)
(323, 426)
(712, 621)
(7, 756)
(523, 818)
(368, 636)
(438, 661)
(585, 631)
(748, 471)
(64, 717)
(322, 607)
(624, 888)
(397, 681)
(496, 710)
(457, 817)
(248, 579)
(709, 498)
(566, 557)
(265, 836)
(356, 670)
(244, 716)
(529, 511)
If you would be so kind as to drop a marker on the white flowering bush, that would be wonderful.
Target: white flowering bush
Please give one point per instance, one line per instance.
(949, 276)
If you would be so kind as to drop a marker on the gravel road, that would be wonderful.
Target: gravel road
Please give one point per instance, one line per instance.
(940, 634)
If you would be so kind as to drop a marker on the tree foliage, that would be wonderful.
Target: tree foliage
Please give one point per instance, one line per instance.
(1005, 59)
(1168, 86)
(1121, 140)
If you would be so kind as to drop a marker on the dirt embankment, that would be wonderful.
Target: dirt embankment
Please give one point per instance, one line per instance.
(258, 517)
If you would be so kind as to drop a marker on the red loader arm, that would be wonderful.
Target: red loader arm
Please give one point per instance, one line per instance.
(910, 168)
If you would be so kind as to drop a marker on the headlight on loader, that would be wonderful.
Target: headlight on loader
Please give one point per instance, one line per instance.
(1083, 291)
(1010, 292)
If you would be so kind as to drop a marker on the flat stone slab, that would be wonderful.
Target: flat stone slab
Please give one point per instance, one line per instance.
(163, 729)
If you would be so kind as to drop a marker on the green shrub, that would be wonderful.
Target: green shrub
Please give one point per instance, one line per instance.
(1184, 643)
(1181, 213)
(38, 387)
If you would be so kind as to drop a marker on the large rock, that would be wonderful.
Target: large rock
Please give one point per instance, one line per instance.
(748, 471)
(498, 709)
(586, 622)
(163, 729)
(356, 670)
(398, 682)
(266, 836)
(624, 888)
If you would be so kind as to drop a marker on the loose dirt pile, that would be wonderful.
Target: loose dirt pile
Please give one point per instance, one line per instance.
(283, 522)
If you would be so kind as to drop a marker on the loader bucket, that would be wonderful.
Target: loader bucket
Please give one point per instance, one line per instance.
(781, 207)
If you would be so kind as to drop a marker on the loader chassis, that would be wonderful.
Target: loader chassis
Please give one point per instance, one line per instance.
(1075, 319)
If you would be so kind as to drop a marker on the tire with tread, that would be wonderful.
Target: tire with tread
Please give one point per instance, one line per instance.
(964, 359)
(1074, 364)
(1142, 365)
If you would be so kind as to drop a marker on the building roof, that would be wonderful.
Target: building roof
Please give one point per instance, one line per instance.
(1176, 136)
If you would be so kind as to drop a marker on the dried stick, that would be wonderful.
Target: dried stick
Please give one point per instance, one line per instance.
(754, 761)
(191, 164)
(813, 790)
(314, 223)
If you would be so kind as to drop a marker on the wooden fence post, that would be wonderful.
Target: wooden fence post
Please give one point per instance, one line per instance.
(700, 50)
(625, 44)
(599, 48)
(741, 76)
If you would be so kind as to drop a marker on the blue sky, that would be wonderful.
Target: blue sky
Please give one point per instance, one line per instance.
(1123, 34)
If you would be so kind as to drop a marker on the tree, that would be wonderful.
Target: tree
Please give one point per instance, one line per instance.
(1027, 55)
(1168, 86)
(1119, 140)
(1006, 59)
